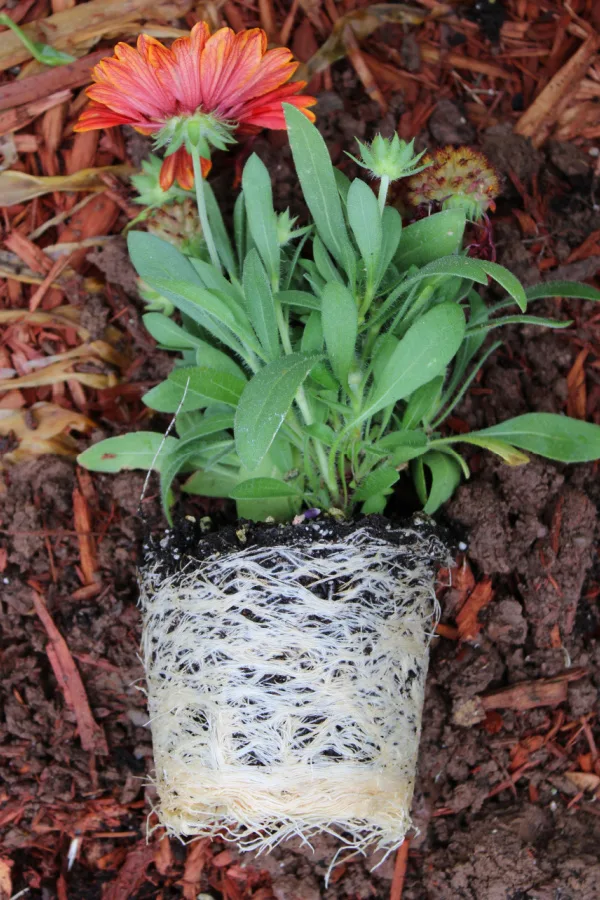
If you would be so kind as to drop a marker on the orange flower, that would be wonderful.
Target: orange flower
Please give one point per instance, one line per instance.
(230, 77)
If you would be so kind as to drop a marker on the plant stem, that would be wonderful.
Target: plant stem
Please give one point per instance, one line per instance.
(201, 201)
(302, 403)
(383, 190)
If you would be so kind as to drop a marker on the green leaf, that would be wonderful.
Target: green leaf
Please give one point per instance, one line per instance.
(375, 505)
(196, 425)
(167, 397)
(563, 289)
(365, 221)
(380, 481)
(391, 228)
(178, 458)
(402, 446)
(445, 478)
(263, 488)
(423, 404)
(321, 432)
(340, 328)
(209, 385)
(520, 320)
(170, 273)
(299, 299)
(240, 228)
(216, 483)
(260, 304)
(216, 282)
(507, 280)
(553, 436)
(264, 404)
(324, 263)
(315, 171)
(505, 451)
(168, 333)
(426, 240)
(262, 220)
(138, 450)
(422, 354)
(219, 232)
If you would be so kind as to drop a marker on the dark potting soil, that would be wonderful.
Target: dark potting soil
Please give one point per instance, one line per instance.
(191, 539)
(498, 817)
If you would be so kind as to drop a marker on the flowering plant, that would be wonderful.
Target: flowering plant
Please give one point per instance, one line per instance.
(315, 365)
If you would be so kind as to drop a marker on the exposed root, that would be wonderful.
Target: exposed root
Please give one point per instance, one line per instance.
(285, 688)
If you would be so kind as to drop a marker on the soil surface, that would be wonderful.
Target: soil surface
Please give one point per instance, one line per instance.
(505, 803)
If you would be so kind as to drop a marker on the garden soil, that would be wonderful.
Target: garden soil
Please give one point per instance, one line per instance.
(511, 710)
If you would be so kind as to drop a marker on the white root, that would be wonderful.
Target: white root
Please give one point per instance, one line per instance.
(285, 687)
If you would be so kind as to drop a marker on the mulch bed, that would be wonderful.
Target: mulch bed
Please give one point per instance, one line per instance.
(506, 803)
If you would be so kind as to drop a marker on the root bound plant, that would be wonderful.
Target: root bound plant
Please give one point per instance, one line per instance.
(317, 366)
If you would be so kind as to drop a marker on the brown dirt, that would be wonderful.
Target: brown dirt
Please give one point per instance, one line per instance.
(531, 529)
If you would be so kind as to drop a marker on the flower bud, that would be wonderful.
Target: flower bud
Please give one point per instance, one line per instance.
(389, 158)
(147, 185)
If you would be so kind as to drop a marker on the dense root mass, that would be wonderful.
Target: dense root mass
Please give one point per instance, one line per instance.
(285, 683)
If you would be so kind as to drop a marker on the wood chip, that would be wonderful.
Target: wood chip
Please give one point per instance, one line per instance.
(467, 619)
(91, 734)
(537, 122)
(584, 781)
(132, 873)
(531, 694)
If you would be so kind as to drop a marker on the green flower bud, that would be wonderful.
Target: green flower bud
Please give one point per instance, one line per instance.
(389, 158)
(198, 132)
(147, 184)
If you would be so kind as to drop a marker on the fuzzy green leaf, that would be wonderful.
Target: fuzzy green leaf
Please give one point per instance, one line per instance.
(209, 385)
(262, 221)
(216, 483)
(340, 328)
(264, 404)
(430, 238)
(563, 289)
(260, 304)
(445, 478)
(553, 436)
(138, 450)
(263, 489)
(422, 354)
(315, 171)
(380, 481)
(423, 404)
(365, 222)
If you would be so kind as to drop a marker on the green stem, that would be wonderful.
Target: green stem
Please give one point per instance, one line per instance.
(383, 190)
(302, 403)
(201, 201)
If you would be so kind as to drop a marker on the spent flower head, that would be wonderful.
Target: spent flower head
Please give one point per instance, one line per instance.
(194, 94)
(456, 177)
(389, 158)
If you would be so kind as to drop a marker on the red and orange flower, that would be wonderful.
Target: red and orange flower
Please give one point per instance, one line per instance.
(231, 79)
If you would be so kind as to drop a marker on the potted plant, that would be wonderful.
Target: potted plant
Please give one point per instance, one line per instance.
(286, 653)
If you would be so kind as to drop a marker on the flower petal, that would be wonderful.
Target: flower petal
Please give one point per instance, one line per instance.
(137, 81)
(179, 167)
(228, 64)
(97, 116)
(184, 76)
(267, 111)
(276, 69)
